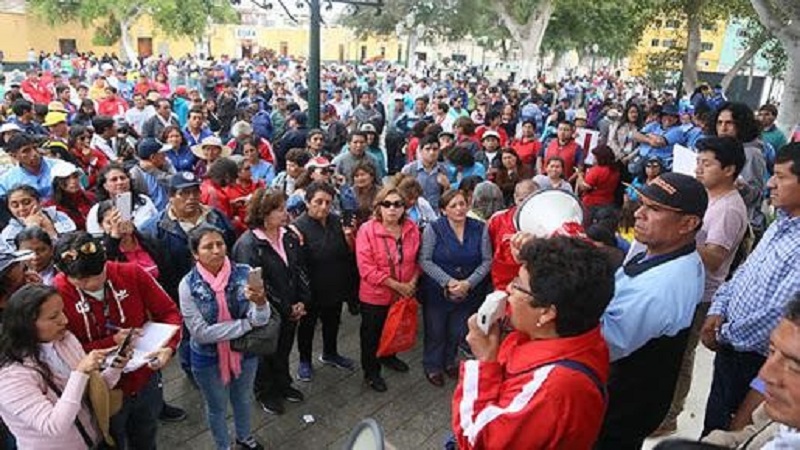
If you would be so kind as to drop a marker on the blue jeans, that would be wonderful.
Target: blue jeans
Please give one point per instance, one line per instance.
(445, 329)
(240, 392)
(136, 424)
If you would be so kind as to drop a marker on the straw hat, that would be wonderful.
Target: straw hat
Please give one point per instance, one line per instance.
(211, 141)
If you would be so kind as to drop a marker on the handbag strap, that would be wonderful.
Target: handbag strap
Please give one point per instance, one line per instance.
(391, 269)
(84, 434)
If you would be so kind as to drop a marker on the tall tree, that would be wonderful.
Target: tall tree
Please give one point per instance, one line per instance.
(114, 19)
(782, 19)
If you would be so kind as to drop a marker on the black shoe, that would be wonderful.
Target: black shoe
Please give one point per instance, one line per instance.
(272, 406)
(394, 363)
(171, 413)
(249, 444)
(376, 383)
(293, 395)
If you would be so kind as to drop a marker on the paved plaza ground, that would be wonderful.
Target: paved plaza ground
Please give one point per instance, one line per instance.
(414, 414)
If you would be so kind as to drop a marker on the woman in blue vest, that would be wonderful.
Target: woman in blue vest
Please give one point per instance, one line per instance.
(455, 257)
(217, 306)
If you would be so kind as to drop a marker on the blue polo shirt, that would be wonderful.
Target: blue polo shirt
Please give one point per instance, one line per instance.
(431, 189)
(651, 303)
(42, 182)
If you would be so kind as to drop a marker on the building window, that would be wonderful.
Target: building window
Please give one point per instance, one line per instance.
(654, 43)
(668, 43)
(709, 26)
(363, 53)
(66, 46)
(706, 46)
(742, 33)
(672, 23)
(659, 23)
(284, 49)
(383, 52)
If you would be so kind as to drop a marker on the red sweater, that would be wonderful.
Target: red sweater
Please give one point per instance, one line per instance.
(501, 230)
(522, 401)
(141, 299)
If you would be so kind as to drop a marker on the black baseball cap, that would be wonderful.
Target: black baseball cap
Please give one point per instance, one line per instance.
(676, 192)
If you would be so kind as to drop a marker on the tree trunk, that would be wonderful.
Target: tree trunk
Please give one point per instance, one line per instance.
(748, 54)
(411, 48)
(527, 35)
(692, 50)
(128, 51)
(789, 113)
(782, 19)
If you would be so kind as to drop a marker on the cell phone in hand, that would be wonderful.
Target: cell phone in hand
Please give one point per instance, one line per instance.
(254, 278)
(124, 204)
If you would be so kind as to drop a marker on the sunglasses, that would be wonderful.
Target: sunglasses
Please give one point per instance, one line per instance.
(87, 249)
(387, 204)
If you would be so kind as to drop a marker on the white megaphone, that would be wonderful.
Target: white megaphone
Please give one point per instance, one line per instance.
(547, 211)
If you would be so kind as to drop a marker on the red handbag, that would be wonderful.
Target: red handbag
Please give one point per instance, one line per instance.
(400, 329)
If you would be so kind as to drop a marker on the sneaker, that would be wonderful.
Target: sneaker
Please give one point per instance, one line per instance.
(272, 406)
(338, 361)
(394, 363)
(249, 444)
(171, 413)
(304, 371)
(376, 383)
(293, 395)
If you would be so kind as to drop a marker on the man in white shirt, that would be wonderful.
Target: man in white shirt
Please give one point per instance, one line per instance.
(138, 115)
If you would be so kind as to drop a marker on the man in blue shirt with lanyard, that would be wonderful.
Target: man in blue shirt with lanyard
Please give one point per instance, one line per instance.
(745, 309)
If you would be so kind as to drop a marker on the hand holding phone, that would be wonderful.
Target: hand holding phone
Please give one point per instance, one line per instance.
(254, 279)
(124, 204)
(492, 310)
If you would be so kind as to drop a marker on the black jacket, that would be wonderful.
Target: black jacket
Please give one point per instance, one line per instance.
(285, 284)
(331, 265)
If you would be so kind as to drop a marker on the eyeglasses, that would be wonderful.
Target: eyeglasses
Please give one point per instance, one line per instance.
(517, 286)
(387, 204)
(87, 249)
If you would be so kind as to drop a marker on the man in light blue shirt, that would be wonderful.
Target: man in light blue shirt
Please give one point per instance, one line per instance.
(647, 323)
(660, 141)
(31, 169)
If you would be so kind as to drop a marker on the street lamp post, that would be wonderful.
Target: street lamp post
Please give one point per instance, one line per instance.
(314, 59)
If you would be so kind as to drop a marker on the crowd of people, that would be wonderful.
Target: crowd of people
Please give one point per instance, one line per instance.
(154, 193)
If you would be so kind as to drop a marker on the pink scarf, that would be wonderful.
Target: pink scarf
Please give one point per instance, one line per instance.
(228, 361)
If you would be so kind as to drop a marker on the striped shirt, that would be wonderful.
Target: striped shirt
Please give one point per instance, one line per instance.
(752, 302)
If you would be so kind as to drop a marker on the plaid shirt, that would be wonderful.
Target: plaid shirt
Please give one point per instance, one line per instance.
(753, 301)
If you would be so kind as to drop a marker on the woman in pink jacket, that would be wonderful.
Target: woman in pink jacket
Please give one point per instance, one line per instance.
(45, 373)
(386, 252)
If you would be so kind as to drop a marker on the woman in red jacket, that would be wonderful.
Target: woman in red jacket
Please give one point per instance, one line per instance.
(386, 253)
(543, 386)
(598, 186)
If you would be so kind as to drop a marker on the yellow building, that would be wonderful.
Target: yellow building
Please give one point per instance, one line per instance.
(20, 32)
(665, 34)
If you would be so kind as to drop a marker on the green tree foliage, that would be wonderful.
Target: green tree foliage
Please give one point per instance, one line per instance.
(112, 19)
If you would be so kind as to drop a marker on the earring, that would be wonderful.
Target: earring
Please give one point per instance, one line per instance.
(539, 324)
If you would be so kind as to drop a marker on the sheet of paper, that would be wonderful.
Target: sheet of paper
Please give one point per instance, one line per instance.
(588, 140)
(154, 336)
(684, 160)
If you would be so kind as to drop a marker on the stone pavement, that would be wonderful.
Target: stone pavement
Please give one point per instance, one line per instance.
(414, 413)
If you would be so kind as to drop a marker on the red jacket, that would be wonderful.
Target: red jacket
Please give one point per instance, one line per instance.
(37, 92)
(112, 106)
(523, 401)
(571, 153)
(527, 150)
(141, 299)
(501, 230)
(372, 243)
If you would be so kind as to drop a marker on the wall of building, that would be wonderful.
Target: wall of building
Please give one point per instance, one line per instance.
(665, 33)
(20, 32)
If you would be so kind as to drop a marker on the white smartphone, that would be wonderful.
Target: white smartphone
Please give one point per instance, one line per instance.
(254, 278)
(492, 309)
(124, 204)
